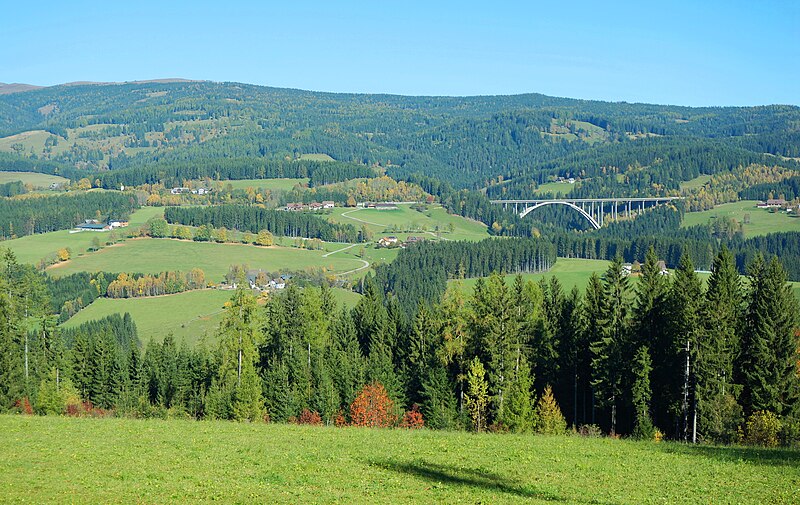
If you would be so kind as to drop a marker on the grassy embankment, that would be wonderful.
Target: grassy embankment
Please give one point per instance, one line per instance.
(52, 459)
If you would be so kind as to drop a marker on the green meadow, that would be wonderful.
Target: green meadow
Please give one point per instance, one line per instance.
(404, 218)
(32, 248)
(188, 316)
(70, 460)
(570, 272)
(762, 221)
(34, 179)
(564, 188)
(271, 184)
(148, 255)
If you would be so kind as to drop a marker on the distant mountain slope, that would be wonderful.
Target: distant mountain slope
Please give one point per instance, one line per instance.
(16, 87)
(469, 141)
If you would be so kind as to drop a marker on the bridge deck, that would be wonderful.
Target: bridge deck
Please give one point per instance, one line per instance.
(596, 200)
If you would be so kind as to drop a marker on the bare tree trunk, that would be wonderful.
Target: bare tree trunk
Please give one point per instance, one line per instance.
(685, 405)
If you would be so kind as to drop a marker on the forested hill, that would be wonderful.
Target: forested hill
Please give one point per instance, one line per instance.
(468, 141)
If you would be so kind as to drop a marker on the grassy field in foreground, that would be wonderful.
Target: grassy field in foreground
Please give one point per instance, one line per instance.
(188, 316)
(34, 179)
(52, 459)
(762, 221)
(160, 255)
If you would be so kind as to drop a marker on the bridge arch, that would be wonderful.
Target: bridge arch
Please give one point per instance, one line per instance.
(585, 214)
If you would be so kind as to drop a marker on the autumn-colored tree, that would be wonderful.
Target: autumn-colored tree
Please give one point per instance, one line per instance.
(309, 417)
(64, 254)
(549, 419)
(372, 407)
(412, 419)
(264, 238)
(477, 395)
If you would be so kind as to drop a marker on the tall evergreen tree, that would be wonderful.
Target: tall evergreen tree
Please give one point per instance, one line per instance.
(717, 408)
(769, 358)
(610, 349)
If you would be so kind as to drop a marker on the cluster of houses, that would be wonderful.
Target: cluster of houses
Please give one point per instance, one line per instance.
(392, 241)
(196, 191)
(294, 207)
(570, 180)
(635, 268)
(259, 281)
(95, 225)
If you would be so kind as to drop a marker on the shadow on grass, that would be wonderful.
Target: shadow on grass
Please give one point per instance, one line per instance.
(478, 479)
(754, 455)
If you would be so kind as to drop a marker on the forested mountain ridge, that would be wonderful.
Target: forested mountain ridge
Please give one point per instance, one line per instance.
(467, 141)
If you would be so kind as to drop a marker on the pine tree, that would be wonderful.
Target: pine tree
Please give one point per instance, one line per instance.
(651, 329)
(768, 362)
(641, 393)
(685, 300)
(518, 414)
(438, 402)
(237, 391)
(610, 348)
(718, 412)
(549, 419)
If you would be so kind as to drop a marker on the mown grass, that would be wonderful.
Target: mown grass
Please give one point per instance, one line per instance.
(34, 179)
(51, 459)
(570, 271)
(271, 184)
(379, 222)
(564, 188)
(762, 221)
(695, 183)
(188, 316)
(32, 248)
(147, 255)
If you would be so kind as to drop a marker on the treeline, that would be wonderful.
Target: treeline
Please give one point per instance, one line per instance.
(419, 274)
(254, 219)
(69, 294)
(174, 173)
(637, 357)
(13, 188)
(164, 283)
(788, 189)
(41, 214)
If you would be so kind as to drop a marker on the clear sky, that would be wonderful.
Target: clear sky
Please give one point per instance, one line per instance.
(697, 52)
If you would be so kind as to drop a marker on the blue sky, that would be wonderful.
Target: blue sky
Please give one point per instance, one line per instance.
(677, 52)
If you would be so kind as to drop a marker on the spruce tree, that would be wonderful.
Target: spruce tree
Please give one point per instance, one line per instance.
(718, 411)
(641, 393)
(518, 414)
(610, 349)
(768, 361)
(651, 329)
(685, 303)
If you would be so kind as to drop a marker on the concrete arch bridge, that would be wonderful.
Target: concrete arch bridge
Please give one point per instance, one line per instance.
(597, 211)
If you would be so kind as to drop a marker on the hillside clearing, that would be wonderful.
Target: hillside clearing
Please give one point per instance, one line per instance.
(46, 459)
(37, 180)
(762, 221)
(148, 255)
